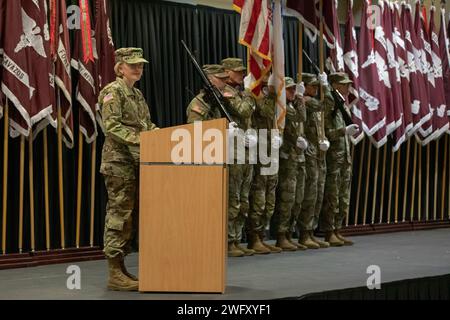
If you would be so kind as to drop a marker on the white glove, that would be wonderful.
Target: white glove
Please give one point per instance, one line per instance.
(324, 145)
(271, 81)
(300, 89)
(232, 129)
(302, 143)
(323, 79)
(277, 141)
(351, 129)
(251, 140)
(248, 81)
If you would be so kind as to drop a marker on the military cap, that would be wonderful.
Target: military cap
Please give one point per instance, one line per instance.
(339, 77)
(289, 82)
(310, 79)
(233, 64)
(216, 70)
(130, 55)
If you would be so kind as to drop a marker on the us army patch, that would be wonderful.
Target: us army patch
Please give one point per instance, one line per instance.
(108, 97)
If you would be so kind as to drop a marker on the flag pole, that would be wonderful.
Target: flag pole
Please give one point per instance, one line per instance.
(31, 184)
(405, 193)
(21, 187)
(413, 193)
(375, 185)
(448, 140)
(47, 209)
(60, 174)
(391, 178)
(80, 181)
(300, 64)
(367, 184)
(427, 185)
(353, 156)
(383, 182)
(358, 192)
(322, 67)
(444, 173)
(436, 166)
(419, 205)
(93, 172)
(5, 175)
(397, 185)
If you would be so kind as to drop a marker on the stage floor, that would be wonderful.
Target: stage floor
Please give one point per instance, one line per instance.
(400, 256)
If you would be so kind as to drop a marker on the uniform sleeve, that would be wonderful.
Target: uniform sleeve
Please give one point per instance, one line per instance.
(314, 105)
(267, 106)
(195, 112)
(301, 110)
(242, 106)
(112, 120)
(334, 129)
(148, 120)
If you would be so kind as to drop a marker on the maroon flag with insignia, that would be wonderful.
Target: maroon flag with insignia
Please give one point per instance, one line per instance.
(444, 46)
(306, 12)
(87, 85)
(27, 76)
(333, 36)
(105, 44)
(2, 28)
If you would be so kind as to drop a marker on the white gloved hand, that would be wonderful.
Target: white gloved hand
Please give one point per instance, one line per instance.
(277, 141)
(324, 145)
(351, 129)
(323, 79)
(271, 81)
(248, 81)
(233, 128)
(300, 89)
(302, 143)
(250, 140)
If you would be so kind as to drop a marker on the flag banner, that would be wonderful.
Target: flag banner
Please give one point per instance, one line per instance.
(2, 28)
(27, 77)
(332, 33)
(371, 99)
(255, 33)
(444, 49)
(306, 12)
(350, 58)
(278, 64)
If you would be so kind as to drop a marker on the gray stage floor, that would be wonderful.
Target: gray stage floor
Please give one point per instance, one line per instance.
(400, 256)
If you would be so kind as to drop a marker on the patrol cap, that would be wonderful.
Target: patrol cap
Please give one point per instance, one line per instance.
(233, 64)
(130, 55)
(289, 82)
(339, 77)
(310, 79)
(216, 70)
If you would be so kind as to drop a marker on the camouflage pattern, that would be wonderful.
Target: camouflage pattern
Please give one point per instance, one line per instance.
(233, 64)
(339, 168)
(299, 195)
(125, 114)
(200, 110)
(291, 160)
(263, 189)
(130, 55)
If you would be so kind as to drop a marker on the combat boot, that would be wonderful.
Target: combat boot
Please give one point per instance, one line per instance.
(322, 244)
(117, 279)
(247, 252)
(273, 249)
(297, 244)
(344, 240)
(256, 245)
(333, 240)
(284, 243)
(233, 251)
(125, 271)
(306, 241)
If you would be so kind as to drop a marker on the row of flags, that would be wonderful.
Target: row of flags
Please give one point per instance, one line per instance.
(399, 63)
(38, 64)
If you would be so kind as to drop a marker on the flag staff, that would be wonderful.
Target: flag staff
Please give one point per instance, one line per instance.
(405, 193)
(31, 184)
(60, 174)
(413, 193)
(419, 205)
(47, 208)
(93, 172)
(80, 181)
(383, 182)
(427, 185)
(444, 173)
(375, 185)
(397, 185)
(436, 166)
(391, 178)
(21, 187)
(5, 174)
(367, 184)
(358, 192)
(322, 67)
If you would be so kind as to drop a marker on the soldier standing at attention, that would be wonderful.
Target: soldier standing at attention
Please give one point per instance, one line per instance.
(125, 114)
(315, 163)
(292, 160)
(336, 200)
(242, 105)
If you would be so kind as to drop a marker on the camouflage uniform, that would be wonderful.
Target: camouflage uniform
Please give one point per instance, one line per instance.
(125, 114)
(339, 166)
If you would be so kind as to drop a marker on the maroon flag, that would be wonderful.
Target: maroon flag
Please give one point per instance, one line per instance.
(60, 49)
(371, 100)
(437, 96)
(402, 59)
(333, 36)
(27, 76)
(2, 28)
(87, 85)
(306, 12)
(105, 44)
(444, 46)
(418, 86)
(351, 68)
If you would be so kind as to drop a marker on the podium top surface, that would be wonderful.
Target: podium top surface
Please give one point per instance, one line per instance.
(198, 143)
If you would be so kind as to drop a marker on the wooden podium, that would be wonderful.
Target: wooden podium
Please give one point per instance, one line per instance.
(183, 212)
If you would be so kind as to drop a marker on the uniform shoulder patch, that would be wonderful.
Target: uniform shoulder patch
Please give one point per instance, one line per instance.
(108, 98)
(196, 108)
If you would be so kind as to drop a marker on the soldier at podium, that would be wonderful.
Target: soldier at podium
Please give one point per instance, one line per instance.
(125, 114)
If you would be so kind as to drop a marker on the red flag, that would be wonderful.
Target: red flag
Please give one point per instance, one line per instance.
(351, 68)
(333, 33)
(444, 46)
(27, 76)
(60, 48)
(306, 12)
(418, 85)
(437, 96)
(255, 34)
(371, 101)
(87, 87)
(105, 44)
